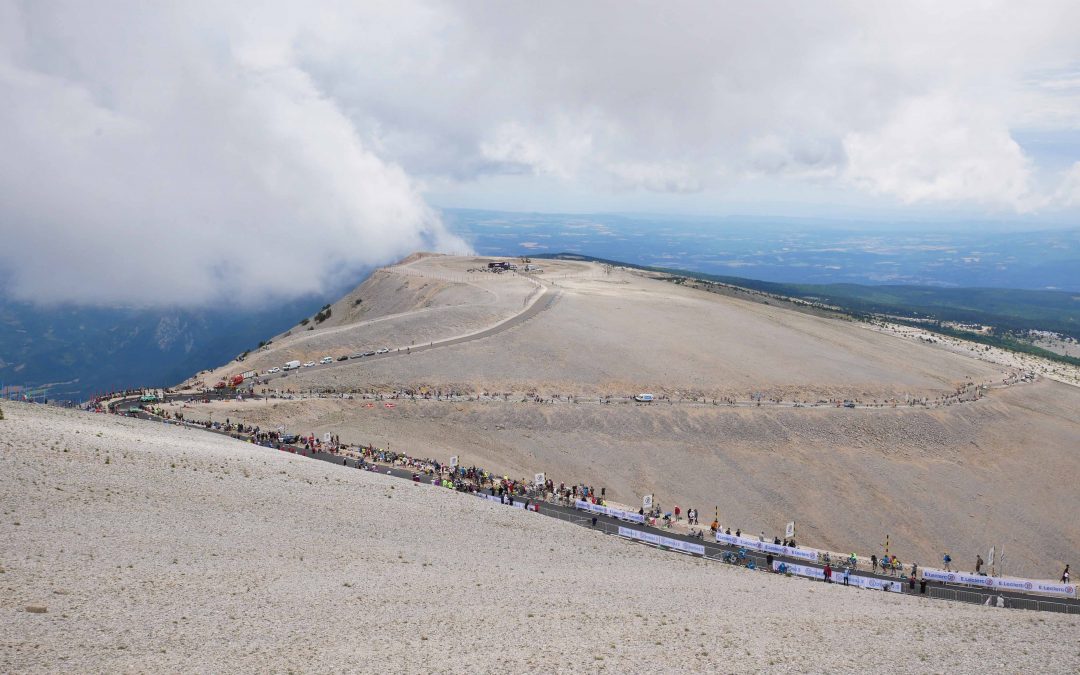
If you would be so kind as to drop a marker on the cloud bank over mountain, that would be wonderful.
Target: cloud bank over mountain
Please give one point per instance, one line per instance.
(256, 150)
(153, 156)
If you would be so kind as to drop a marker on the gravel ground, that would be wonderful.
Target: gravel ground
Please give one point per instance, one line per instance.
(622, 333)
(960, 478)
(415, 304)
(159, 549)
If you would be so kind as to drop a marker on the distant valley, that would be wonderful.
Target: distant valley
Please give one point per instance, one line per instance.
(71, 352)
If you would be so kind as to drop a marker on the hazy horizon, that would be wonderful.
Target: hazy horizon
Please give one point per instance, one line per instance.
(246, 152)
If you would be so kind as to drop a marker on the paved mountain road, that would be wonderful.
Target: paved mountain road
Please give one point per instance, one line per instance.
(546, 299)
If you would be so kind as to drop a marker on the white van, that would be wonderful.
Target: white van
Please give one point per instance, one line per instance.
(643, 398)
(326, 359)
(292, 365)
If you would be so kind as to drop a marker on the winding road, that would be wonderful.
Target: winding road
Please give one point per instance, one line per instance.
(610, 525)
(543, 301)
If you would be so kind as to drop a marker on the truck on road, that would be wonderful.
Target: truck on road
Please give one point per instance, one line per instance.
(644, 398)
(292, 365)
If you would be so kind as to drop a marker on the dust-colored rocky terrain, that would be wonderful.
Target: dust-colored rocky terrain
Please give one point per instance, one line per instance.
(133, 546)
(993, 466)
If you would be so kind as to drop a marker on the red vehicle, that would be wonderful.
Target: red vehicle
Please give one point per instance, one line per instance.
(220, 385)
(236, 380)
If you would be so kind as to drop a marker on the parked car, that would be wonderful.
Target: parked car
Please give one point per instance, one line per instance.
(382, 351)
(273, 370)
(368, 354)
(357, 355)
(326, 359)
(343, 358)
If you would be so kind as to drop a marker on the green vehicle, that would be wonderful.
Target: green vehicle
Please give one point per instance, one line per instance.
(148, 398)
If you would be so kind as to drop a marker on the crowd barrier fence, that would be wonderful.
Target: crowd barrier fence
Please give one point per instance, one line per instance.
(853, 580)
(659, 540)
(971, 596)
(609, 511)
(518, 502)
(1000, 583)
(808, 554)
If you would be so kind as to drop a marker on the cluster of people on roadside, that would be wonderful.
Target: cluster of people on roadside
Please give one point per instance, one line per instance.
(967, 392)
(475, 479)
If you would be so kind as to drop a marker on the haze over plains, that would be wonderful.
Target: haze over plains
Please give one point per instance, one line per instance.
(198, 142)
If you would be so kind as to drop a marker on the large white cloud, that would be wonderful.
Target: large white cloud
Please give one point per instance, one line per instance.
(933, 149)
(254, 149)
(158, 157)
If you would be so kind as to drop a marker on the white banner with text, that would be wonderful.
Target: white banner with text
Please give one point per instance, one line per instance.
(1001, 583)
(807, 554)
(609, 511)
(657, 540)
(890, 585)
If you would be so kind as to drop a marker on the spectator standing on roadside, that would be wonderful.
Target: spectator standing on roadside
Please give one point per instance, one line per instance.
(978, 564)
(828, 573)
(947, 561)
(847, 576)
(768, 561)
(1065, 575)
(873, 563)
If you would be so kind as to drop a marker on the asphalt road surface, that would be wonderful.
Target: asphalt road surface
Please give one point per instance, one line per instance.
(546, 300)
(713, 550)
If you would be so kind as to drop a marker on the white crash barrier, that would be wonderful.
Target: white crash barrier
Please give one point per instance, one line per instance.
(609, 511)
(807, 554)
(518, 503)
(1001, 583)
(891, 585)
(657, 540)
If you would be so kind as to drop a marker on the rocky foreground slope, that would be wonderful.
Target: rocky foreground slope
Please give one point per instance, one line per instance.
(153, 548)
(752, 423)
(999, 471)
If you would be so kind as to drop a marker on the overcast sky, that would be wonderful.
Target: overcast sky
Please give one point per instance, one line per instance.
(190, 152)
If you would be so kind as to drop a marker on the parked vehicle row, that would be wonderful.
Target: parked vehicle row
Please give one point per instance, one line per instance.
(326, 360)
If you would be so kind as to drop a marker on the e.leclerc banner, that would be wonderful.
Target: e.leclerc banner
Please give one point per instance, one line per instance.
(1001, 583)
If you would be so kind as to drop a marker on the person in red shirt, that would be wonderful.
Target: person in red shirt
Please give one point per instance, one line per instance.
(828, 573)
